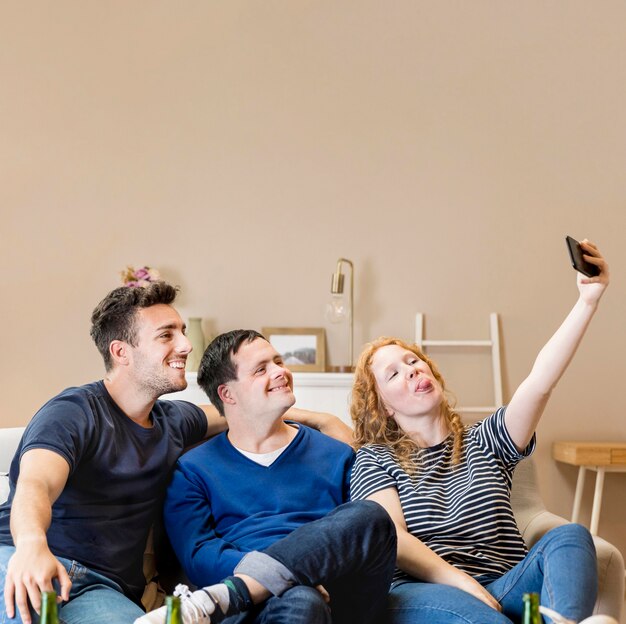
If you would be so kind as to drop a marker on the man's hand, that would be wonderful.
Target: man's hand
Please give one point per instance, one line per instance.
(30, 571)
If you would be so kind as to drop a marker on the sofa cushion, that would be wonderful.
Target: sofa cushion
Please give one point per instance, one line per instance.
(4, 486)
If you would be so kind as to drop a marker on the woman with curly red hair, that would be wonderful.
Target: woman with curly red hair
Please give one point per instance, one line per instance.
(461, 557)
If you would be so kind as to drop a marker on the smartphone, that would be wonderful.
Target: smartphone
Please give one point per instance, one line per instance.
(578, 262)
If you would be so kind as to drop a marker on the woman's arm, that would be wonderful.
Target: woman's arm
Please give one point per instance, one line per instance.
(529, 401)
(418, 560)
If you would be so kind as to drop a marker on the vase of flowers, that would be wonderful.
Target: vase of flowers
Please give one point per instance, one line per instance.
(134, 278)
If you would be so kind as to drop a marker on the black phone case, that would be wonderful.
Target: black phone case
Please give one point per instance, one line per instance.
(578, 262)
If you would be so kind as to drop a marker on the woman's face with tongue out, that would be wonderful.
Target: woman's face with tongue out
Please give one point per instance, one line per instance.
(406, 383)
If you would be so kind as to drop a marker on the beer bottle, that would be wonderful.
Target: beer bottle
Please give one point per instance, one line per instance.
(531, 609)
(173, 614)
(49, 613)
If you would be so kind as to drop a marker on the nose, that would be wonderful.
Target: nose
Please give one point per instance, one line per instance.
(277, 370)
(184, 345)
(411, 372)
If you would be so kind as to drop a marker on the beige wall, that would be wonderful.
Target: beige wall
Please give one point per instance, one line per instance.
(241, 147)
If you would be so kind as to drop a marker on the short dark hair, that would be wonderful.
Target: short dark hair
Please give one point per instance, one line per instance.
(217, 366)
(114, 318)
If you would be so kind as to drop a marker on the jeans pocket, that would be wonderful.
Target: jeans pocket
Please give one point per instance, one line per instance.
(77, 571)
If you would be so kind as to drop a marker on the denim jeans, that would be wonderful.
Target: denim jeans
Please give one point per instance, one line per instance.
(560, 567)
(298, 605)
(351, 552)
(94, 599)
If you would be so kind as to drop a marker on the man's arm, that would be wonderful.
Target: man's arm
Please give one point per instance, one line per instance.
(326, 423)
(215, 423)
(32, 568)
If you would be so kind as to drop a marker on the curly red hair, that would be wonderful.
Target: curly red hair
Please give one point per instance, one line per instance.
(372, 424)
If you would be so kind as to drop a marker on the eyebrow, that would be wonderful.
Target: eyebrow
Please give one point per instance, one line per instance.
(264, 361)
(409, 355)
(169, 326)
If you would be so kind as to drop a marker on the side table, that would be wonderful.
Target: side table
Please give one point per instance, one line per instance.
(602, 457)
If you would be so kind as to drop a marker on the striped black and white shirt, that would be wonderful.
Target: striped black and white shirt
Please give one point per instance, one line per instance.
(463, 512)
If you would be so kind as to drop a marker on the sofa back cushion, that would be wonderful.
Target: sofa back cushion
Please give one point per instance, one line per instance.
(9, 439)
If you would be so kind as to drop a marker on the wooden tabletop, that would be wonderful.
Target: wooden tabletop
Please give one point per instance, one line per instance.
(590, 453)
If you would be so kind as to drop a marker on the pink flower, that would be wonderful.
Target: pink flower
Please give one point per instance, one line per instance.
(142, 274)
(134, 278)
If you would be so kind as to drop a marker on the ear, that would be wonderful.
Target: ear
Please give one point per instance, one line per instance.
(225, 394)
(119, 352)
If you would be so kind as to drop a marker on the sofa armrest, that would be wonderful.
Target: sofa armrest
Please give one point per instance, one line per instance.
(538, 525)
(610, 563)
(610, 578)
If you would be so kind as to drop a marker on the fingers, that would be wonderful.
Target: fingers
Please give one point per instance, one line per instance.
(21, 601)
(488, 599)
(588, 245)
(590, 252)
(592, 255)
(64, 582)
(494, 603)
(9, 591)
(325, 595)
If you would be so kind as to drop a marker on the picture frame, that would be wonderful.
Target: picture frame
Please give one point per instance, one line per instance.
(303, 349)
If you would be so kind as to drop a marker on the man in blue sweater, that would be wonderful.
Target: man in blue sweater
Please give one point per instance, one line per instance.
(262, 509)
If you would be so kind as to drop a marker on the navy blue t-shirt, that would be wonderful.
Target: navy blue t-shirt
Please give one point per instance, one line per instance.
(118, 475)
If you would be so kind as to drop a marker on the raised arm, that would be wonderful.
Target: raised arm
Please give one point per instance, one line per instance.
(418, 560)
(529, 401)
(32, 567)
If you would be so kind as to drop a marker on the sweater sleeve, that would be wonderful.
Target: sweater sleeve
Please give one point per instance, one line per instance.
(205, 557)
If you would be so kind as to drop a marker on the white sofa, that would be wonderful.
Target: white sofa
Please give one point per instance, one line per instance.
(532, 518)
(9, 439)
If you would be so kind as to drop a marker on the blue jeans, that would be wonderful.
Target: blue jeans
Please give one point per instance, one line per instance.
(560, 567)
(94, 599)
(298, 605)
(351, 552)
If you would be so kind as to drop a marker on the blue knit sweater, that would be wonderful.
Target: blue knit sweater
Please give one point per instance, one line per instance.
(220, 504)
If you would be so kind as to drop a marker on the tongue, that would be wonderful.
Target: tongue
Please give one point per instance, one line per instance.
(424, 384)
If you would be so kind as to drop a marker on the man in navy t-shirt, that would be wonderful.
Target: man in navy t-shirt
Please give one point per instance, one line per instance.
(263, 509)
(89, 475)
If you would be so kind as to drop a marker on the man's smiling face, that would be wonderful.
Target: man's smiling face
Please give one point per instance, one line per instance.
(263, 385)
(159, 357)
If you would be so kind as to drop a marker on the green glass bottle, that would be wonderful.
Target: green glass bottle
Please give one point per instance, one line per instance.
(173, 614)
(531, 609)
(49, 613)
